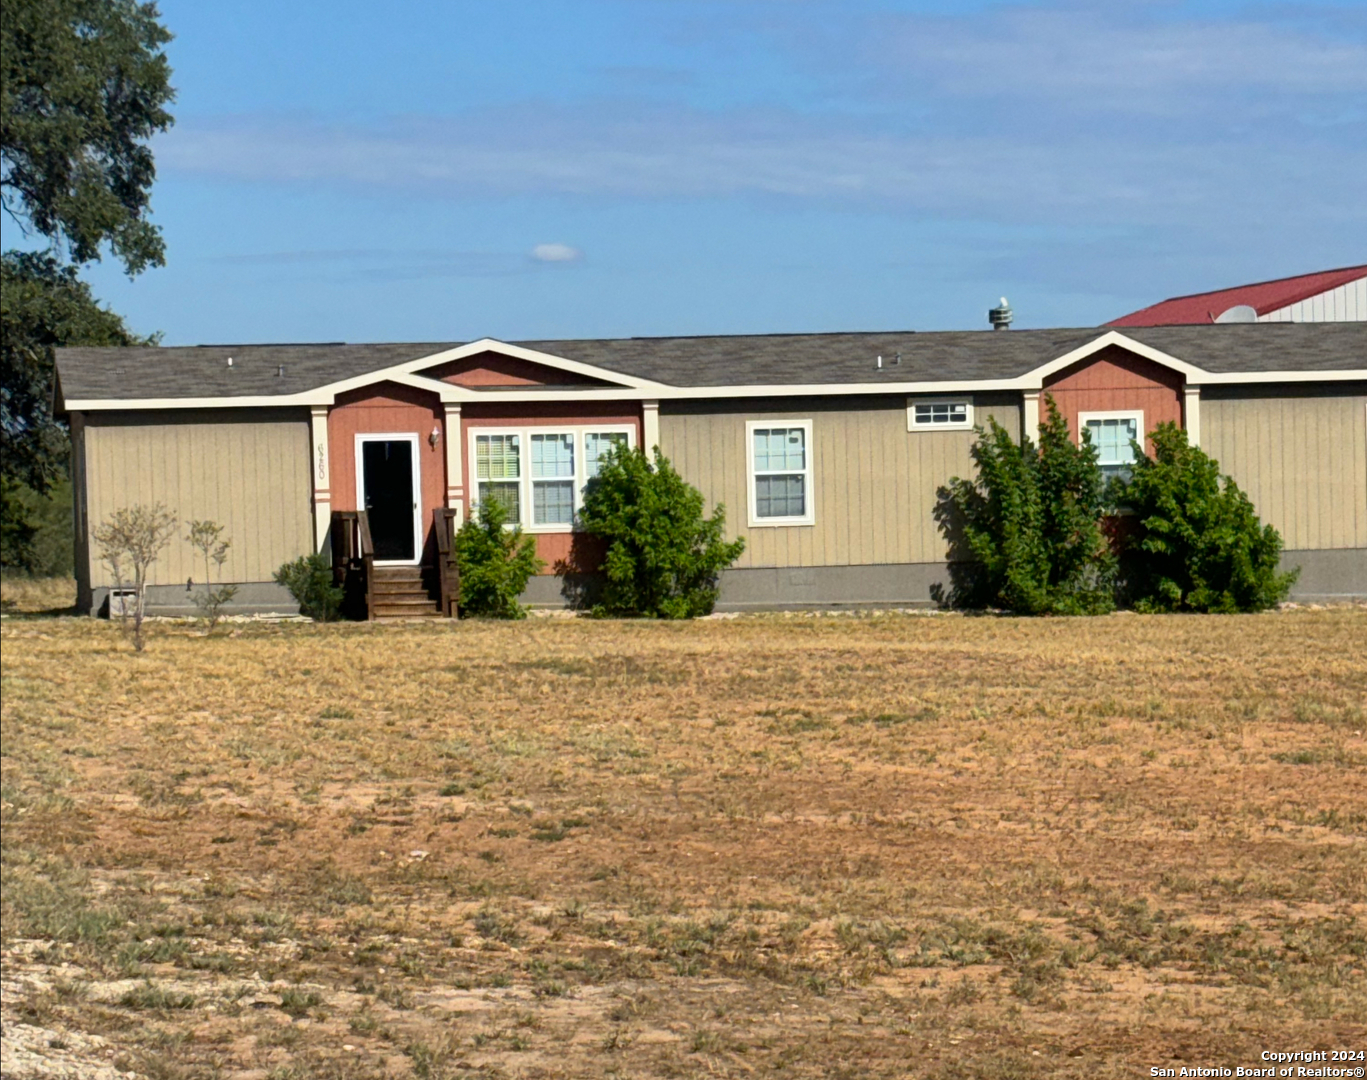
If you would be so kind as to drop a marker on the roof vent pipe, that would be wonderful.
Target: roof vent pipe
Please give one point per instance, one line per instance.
(280, 371)
(1000, 316)
(880, 363)
(230, 361)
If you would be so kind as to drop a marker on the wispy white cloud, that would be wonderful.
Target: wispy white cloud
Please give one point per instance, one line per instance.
(620, 152)
(1122, 57)
(556, 253)
(1133, 122)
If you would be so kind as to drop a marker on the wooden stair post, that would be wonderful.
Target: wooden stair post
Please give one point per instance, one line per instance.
(448, 572)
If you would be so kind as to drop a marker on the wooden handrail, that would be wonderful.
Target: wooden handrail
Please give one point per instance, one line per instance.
(366, 549)
(448, 573)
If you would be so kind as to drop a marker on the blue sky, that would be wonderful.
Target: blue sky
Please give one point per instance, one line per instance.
(431, 172)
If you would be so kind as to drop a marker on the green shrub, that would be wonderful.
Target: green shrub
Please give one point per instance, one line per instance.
(309, 580)
(1200, 546)
(1028, 529)
(495, 563)
(36, 534)
(663, 557)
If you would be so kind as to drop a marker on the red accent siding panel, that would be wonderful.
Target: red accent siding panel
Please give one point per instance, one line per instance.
(387, 408)
(496, 369)
(1117, 379)
(552, 547)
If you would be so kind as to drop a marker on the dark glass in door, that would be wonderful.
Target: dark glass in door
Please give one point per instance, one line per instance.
(388, 484)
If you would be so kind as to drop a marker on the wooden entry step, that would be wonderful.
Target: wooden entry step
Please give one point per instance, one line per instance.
(431, 589)
(403, 592)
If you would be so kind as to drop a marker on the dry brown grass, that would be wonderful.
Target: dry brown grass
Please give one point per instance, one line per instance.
(37, 595)
(858, 846)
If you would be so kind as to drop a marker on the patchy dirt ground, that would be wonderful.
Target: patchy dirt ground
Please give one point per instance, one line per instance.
(798, 846)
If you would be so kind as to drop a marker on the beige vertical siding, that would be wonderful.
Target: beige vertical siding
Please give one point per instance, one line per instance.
(873, 481)
(248, 470)
(1300, 456)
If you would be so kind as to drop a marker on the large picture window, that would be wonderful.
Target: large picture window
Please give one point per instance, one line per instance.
(1113, 435)
(780, 459)
(544, 492)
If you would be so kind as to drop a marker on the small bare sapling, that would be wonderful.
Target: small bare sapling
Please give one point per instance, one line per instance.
(129, 541)
(206, 537)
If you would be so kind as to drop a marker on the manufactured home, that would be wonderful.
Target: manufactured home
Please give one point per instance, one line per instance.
(827, 450)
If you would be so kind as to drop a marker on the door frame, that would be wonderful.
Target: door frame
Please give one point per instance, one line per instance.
(410, 437)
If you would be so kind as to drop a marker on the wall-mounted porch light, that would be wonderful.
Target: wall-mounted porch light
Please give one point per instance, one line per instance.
(435, 437)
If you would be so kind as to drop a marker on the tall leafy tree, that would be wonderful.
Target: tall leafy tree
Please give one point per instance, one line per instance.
(1200, 545)
(1027, 528)
(43, 305)
(84, 84)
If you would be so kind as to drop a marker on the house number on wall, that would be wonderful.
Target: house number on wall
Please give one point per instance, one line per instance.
(322, 463)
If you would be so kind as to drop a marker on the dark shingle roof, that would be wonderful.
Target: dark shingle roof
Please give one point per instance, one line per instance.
(203, 371)
(761, 359)
(779, 359)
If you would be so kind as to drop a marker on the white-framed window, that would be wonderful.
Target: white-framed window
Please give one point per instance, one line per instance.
(779, 454)
(552, 461)
(539, 473)
(597, 444)
(1113, 434)
(939, 414)
(498, 470)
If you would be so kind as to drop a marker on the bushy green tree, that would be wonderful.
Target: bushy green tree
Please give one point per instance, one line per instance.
(495, 563)
(1030, 524)
(309, 580)
(36, 534)
(1082, 565)
(84, 85)
(1200, 546)
(43, 306)
(663, 555)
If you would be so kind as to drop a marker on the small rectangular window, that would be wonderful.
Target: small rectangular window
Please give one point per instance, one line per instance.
(780, 473)
(1114, 435)
(939, 414)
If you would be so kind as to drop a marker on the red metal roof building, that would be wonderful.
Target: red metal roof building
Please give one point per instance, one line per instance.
(1328, 296)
